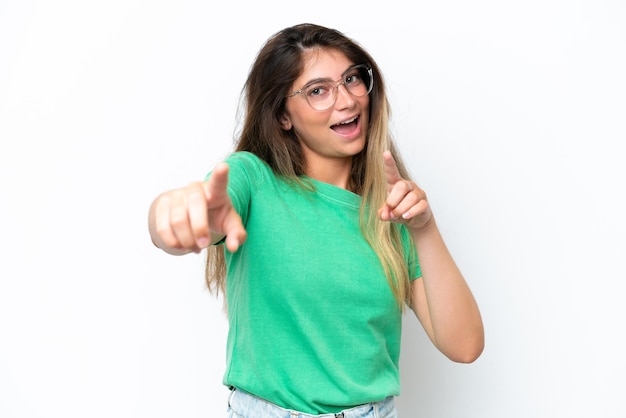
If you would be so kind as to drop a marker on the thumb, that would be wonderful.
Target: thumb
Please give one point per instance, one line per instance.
(216, 187)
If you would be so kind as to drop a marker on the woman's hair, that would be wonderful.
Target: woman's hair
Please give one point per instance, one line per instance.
(278, 64)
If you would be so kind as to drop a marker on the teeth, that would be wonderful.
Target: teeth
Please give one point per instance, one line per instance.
(347, 121)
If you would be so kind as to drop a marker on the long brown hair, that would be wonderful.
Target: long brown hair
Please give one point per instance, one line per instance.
(278, 64)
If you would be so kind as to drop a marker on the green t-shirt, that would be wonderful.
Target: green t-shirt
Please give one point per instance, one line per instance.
(313, 324)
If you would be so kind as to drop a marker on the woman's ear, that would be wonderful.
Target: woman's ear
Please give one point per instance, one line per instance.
(285, 122)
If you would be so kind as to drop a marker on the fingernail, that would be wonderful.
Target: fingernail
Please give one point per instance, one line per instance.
(406, 215)
(203, 242)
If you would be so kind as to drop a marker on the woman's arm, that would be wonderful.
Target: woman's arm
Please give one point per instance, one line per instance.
(441, 299)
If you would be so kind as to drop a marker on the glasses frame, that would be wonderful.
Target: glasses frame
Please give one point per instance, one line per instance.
(336, 85)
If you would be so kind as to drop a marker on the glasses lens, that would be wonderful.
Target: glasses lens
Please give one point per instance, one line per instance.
(358, 81)
(320, 95)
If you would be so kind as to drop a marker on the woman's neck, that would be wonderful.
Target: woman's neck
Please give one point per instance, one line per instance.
(336, 172)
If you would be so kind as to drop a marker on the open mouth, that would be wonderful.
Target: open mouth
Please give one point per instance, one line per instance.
(346, 127)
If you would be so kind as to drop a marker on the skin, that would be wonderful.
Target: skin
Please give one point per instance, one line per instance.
(191, 218)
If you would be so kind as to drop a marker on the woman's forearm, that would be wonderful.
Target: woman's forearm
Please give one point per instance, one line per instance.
(443, 300)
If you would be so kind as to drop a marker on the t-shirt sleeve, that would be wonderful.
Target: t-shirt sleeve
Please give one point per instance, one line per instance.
(412, 260)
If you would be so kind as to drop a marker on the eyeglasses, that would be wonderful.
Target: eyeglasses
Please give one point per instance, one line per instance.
(322, 93)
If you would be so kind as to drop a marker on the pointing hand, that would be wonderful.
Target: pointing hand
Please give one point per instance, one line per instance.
(190, 218)
(406, 202)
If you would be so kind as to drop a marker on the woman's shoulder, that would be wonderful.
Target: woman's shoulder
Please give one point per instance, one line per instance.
(247, 161)
(244, 164)
(258, 172)
(245, 157)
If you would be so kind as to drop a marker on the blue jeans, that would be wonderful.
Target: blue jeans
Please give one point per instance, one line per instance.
(244, 405)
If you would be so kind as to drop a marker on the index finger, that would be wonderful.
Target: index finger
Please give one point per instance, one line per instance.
(391, 169)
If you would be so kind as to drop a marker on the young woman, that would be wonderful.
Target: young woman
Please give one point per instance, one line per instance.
(319, 239)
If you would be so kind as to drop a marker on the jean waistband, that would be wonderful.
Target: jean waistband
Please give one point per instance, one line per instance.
(247, 405)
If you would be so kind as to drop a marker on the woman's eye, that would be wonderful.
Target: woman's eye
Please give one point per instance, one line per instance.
(317, 90)
(353, 79)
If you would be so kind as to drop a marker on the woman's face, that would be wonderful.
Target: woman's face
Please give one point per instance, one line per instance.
(333, 135)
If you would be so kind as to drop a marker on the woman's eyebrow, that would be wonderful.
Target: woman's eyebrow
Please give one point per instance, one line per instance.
(319, 79)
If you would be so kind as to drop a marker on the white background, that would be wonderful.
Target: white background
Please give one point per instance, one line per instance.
(511, 115)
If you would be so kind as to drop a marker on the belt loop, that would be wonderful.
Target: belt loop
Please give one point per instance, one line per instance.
(230, 395)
